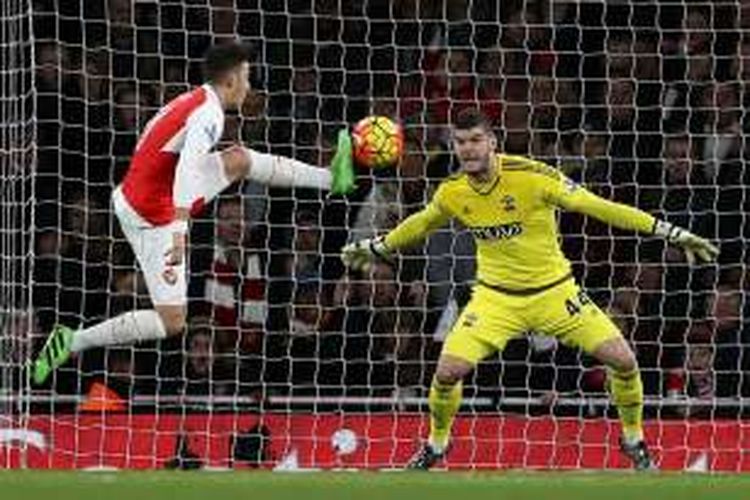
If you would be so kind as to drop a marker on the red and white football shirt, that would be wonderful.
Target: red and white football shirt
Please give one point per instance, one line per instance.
(163, 171)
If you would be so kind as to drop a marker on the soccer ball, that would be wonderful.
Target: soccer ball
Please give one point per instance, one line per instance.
(378, 141)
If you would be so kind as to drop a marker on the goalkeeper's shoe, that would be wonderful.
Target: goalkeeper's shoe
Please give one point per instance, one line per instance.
(55, 352)
(638, 454)
(425, 458)
(342, 165)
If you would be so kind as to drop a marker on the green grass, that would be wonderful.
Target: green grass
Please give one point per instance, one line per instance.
(254, 485)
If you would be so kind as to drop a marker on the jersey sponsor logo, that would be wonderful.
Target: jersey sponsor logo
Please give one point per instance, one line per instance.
(501, 232)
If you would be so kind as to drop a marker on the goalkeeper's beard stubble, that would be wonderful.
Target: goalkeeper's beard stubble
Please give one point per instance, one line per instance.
(478, 168)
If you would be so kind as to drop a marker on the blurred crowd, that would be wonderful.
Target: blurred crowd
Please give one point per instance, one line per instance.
(643, 103)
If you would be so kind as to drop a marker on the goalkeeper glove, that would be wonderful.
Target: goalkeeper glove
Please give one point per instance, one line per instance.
(360, 254)
(691, 244)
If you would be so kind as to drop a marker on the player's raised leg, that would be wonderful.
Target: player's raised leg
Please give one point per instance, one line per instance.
(278, 171)
(626, 389)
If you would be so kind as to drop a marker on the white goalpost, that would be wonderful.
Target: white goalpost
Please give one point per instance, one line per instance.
(16, 204)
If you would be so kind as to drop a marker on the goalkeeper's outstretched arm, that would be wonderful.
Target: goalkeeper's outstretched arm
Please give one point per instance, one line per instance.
(578, 199)
(411, 231)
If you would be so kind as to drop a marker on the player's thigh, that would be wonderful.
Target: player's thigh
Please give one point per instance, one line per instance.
(485, 326)
(166, 284)
(567, 313)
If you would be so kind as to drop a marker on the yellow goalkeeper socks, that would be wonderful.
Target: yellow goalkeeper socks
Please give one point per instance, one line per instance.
(444, 403)
(627, 394)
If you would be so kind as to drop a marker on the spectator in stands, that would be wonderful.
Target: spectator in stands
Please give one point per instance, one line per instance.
(204, 370)
(223, 20)
(686, 199)
(380, 211)
(120, 22)
(306, 266)
(376, 310)
(128, 292)
(133, 107)
(621, 104)
(254, 113)
(72, 268)
(449, 86)
(305, 103)
(723, 129)
(742, 63)
(113, 391)
(491, 78)
(620, 56)
(21, 330)
(235, 284)
(52, 60)
(175, 78)
(701, 376)
(647, 61)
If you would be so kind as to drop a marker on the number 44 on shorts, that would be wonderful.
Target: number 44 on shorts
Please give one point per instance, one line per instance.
(575, 304)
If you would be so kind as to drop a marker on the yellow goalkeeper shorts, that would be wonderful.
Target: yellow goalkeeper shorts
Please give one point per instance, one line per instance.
(492, 318)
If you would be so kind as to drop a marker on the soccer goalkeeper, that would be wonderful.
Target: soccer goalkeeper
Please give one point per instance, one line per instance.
(524, 282)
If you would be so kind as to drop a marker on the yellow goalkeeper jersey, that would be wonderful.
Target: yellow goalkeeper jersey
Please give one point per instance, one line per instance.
(513, 220)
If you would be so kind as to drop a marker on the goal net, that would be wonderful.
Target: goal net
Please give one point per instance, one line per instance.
(289, 360)
(17, 130)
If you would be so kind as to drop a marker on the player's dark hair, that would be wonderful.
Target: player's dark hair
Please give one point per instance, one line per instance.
(222, 59)
(470, 118)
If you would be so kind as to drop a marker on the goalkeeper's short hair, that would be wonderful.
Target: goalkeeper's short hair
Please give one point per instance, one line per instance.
(472, 117)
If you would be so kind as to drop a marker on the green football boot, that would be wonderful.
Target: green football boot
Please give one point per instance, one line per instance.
(342, 165)
(55, 352)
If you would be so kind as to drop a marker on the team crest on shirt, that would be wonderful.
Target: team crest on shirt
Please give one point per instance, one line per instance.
(509, 203)
(170, 276)
(470, 319)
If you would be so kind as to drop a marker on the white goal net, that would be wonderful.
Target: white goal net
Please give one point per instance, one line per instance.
(17, 130)
(290, 361)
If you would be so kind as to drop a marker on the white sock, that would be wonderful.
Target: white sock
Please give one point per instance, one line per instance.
(279, 171)
(126, 328)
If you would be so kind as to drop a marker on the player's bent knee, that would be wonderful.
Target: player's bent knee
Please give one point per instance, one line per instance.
(624, 360)
(174, 319)
(627, 362)
(451, 371)
(617, 354)
(446, 377)
(235, 162)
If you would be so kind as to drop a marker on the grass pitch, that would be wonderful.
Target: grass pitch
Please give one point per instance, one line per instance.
(257, 485)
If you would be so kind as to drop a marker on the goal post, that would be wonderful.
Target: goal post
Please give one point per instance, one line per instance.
(289, 360)
(16, 201)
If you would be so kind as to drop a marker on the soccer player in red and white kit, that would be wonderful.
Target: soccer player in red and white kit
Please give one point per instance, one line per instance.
(172, 174)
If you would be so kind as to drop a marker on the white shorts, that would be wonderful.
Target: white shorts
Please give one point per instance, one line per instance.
(167, 284)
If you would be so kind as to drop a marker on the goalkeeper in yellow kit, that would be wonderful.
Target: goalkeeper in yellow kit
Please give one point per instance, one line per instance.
(524, 282)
